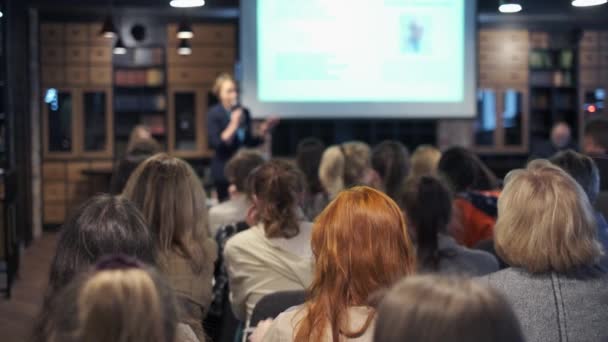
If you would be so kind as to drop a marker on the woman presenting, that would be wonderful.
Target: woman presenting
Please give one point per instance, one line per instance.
(229, 128)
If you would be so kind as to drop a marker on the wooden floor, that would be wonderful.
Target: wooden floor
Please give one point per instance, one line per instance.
(17, 313)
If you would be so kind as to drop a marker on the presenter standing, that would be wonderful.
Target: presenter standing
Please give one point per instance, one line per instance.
(229, 129)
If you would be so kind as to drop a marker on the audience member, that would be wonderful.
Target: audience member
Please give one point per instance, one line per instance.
(424, 161)
(584, 171)
(274, 254)
(346, 165)
(173, 202)
(235, 209)
(308, 158)
(595, 144)
(138, 134)
(428, 207)
(361, 245)
(475, 188)
(546, 230)
(120, 301)
(438, 309)
(390, 160)
(102, 225)
(141, 150)
(560, 140)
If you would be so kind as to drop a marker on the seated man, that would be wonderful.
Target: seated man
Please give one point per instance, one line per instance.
(560, 140)
(235, 210)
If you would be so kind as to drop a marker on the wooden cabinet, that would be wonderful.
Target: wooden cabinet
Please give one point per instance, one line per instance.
(187, 122)
(206, 34)
(77, 55)
(52, 33)
(58, 122)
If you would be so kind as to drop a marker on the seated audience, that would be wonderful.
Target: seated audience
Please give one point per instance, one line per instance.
(235, 209)
(475, 191)
(585, 173)
(361, 245)
(102, 225)
(346, 165)
(546, 230)
(595, 144)
(120, 300)
(173, 202)
(274, 254)
(428, 208)
(140, 151)
(438, 309)
(424, 161)
(560, 140)
(308, 159)
(390, 160)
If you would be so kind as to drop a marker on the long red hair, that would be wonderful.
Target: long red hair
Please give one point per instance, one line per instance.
(361, 245)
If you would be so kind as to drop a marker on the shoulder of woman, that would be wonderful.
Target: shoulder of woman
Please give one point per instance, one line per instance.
(283, 326)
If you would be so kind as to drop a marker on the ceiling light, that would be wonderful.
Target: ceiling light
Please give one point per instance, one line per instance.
(108, 30)
(119, 47)
(187, 3)
(588, 3)
(184, 48)
(509, 6)
(1, 14)
(184, 30)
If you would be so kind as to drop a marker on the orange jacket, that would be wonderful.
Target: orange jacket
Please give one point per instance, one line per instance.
(474, 217)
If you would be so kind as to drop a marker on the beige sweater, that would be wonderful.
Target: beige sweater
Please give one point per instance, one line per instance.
(258, 266)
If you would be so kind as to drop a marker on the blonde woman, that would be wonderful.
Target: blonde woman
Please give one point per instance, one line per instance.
(229, 128)
(546, 231)
(173, 202)
(436, 309)
(424, 161)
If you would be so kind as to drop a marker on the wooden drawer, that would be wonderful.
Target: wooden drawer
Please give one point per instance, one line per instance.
(603, 39)
(53, 171)
(95, 38)
(54, 191)
(100, 55)
(199, 75)
(589, 77)
(100, 75)
(75, 171)
(51, 33)
(103, 165)
(207, 34)
(77, 75)
(54, 213)
(78, 191)
(76, 55)
(603, 62)
(201, 55)
(53, 55)
(589, 39)
(76, 33)
(589, 59)
(53, 75)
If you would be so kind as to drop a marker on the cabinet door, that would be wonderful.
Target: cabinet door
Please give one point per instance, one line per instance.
(59, 121)
(514, 118)
(485, 122)
(187, 124)
(96, 122)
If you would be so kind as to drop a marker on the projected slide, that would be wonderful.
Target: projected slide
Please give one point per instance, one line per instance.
(343, 53)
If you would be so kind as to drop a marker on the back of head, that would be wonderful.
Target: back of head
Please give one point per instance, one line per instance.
(360, 245)
(173, 202)
(357, 161)
(308, 158)
(140, 151)
(541, 208)
(102, 225)
(428, 207)
(390, 159)
(141, 134)
(596, 136)
(331, 171)
(240, 166)
(424, 161)
(122, 305)
(275, 187)
(436, 309)
(464, 171)
(582, 168)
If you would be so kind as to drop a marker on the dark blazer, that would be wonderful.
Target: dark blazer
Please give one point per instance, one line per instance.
(217, 121)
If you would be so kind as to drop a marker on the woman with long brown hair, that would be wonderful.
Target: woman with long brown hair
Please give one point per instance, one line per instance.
(360, 245)
(173, 202)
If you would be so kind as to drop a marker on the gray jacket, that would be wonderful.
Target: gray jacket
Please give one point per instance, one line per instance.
(459, 260)
(555, 307)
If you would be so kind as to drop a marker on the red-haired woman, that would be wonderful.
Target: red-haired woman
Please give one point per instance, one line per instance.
(360, 246)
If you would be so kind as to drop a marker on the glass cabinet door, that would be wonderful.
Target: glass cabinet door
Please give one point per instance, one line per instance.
(95, 111)
(512, 117)
(485, 123)
(185, 120)
(59, 117)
